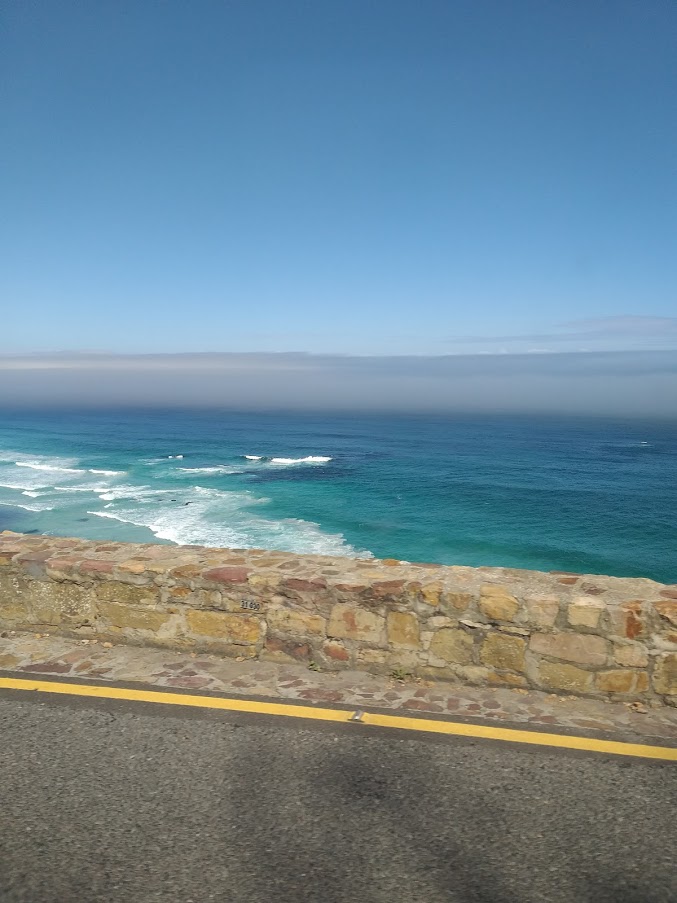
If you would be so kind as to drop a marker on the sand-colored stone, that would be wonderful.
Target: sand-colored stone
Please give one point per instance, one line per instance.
(238, 629)
(496, 603)
(641, 682)
(124, 616)
(452, 645)
(431, 593)
(555, 676)
(505, 653)
(584, 649)
(542, 610)
(46, 603)
(349, 623)
(126, 593)
(631, 656)
(132, 567)
(372, 656)
(585, 611)
(667, 611)
(403, 629)
(289, 620)
(665, 674)
(615, 681)
(451, 603)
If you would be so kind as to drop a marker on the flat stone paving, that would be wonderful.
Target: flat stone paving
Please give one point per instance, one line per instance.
(38, 655)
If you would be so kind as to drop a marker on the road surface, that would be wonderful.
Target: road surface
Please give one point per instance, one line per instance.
(106, 801)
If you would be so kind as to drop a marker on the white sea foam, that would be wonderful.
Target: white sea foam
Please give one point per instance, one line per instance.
(177, 457)
(93, 488)
(253, 457)
(215, 518)
(109, 473)
(37, 465)
(37, 507)
(21, 485)
(32, 494)
(137, 493)
(219, 468)
(310, 459)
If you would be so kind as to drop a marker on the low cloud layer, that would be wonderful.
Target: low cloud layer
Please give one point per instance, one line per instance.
(606, 383)
(621, 333)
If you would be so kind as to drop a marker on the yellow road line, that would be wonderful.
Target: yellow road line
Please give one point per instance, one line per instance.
(398, 722)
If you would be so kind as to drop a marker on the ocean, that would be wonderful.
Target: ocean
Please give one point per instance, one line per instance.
(573, 494)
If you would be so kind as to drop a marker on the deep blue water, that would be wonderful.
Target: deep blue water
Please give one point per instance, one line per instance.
(597, 496)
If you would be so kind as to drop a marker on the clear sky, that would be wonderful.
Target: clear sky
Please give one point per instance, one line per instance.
(354, 176)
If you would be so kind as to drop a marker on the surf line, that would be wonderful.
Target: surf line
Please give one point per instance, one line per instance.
(374, 719)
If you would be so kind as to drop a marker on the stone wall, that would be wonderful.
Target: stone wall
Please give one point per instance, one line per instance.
(564, 633)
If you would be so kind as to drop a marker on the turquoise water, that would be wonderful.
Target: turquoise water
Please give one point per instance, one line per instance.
(570, 494)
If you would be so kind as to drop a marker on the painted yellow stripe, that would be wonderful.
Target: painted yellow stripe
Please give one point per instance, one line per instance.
(397, 722)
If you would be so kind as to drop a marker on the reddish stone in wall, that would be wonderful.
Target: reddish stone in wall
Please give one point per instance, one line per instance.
(226, 575)
(304, 585)
(388, 587)
(299, 651)
(633, 619)
(336, 651)
(92, 567)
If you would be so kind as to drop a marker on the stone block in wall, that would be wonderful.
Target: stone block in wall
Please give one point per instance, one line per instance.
(285, 650)
(628, 619)
(617, 681)
(631, 655)
(37, 602)
(241, 630)
(403, 629)
(288, 620)
(452, 645)
(667, 611)
(227, 575)
(541, 610)
(336, 651)
(372, 657)
(556, 676)
(665, 674)
(126, 593)
(127, 617)
(451, 603)
(431, 593)
(496, 603)
(505, 653)
(584, 649)
(348, 623)
(585, 611)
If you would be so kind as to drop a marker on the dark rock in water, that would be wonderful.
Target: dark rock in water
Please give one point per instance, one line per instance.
(80, 519)
(31, 531)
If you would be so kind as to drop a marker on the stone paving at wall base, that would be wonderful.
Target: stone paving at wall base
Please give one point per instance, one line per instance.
(42, 655)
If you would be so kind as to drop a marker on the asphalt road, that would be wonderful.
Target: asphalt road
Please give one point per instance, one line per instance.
(118, 801)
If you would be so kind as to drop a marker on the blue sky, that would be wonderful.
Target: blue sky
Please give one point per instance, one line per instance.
(363, 177)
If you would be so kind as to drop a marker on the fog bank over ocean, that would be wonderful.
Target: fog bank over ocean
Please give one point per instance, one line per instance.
(625, 383)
